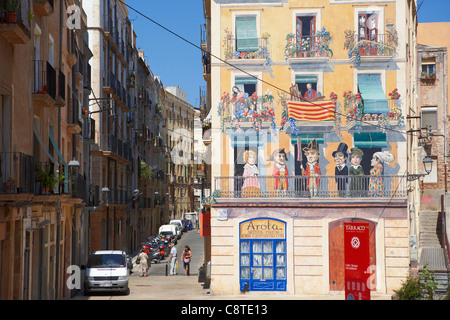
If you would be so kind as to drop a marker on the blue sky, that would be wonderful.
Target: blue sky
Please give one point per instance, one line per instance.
(178, 63)
(433, 11)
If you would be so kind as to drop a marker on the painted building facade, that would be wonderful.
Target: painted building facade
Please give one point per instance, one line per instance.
(309, 105)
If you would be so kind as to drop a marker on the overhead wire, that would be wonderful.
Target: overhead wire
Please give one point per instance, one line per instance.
(244, 71)
(263, 81)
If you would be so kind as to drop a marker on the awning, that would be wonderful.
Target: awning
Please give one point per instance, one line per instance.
(55, 145)
(245, 80)
(305, 79)
(38, 136)
(370, 140)
(372, 93)
(306, 138)
(66, 167)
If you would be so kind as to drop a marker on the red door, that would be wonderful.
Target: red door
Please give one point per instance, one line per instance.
(336, 251)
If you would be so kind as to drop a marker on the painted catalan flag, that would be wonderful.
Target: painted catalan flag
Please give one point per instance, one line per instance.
(313, 112)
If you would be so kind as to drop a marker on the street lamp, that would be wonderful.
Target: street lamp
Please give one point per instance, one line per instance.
(74, 167)
(428, 166)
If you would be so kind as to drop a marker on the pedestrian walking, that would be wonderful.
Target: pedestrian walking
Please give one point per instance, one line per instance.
(143, 264)
(173, 259)
(186, 257)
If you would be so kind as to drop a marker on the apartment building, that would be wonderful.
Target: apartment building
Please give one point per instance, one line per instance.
(111, 101)
(298, 108)
(44, 81)
(179, 137)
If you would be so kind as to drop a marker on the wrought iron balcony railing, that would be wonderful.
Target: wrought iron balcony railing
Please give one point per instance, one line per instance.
(16, 173)
(321, 187)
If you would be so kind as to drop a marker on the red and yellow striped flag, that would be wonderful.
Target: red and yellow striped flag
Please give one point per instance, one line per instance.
(313, 112)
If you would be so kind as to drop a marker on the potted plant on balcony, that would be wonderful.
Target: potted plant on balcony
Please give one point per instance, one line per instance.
(47, 179)
(12, 6)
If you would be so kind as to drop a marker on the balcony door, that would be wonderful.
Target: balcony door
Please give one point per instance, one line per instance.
(368, 30)
(305, 30)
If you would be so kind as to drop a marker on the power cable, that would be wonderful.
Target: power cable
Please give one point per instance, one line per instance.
(241, 70)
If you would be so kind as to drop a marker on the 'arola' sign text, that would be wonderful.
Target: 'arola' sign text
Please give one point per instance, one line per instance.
(263, 229)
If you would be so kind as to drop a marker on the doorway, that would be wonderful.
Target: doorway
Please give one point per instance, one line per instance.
(336, 251)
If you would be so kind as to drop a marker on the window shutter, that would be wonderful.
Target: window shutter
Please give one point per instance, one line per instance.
(246, 35)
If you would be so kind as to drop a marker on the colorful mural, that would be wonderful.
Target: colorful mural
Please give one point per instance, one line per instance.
(331, 148)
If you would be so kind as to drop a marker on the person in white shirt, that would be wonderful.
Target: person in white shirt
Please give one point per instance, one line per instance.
(173, 259)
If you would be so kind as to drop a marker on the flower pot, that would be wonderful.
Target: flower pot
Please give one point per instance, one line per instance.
(11, 17)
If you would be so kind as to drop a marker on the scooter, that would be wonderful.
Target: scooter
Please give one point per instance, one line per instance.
(155, 256)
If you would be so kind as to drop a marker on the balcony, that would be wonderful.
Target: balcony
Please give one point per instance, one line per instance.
(16, 173)
(43, 7)
(73, 116)
(371, 48)
(247, 51)
(309, 49)
(61, 92)
(16, 28)
(110, 83)
(44, 89)
(296, 188)
(49, 178)
(88, 129)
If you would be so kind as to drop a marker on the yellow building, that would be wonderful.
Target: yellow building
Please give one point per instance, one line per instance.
(289, 78)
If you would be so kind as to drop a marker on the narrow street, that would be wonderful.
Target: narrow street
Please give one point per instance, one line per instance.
(158, 286)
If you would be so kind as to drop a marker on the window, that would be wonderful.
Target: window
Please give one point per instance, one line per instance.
(372, 93)
(245, 84)
(428, 67)
(368, 30)
(302, 82)
(429, 118)
(246, 34)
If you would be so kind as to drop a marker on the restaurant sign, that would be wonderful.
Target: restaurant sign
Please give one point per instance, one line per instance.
(263, 229)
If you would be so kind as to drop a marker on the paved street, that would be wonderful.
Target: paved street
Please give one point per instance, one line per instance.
(159, 286)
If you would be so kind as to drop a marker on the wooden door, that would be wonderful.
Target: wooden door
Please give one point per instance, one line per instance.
(336, 251)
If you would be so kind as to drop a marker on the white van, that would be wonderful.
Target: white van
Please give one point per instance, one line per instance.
(179, 225)
(106, 271)
(169, 227)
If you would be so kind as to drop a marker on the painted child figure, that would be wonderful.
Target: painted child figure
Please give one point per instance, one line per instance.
(312, 167)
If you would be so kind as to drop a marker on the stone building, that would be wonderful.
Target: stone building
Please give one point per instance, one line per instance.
(334, 78)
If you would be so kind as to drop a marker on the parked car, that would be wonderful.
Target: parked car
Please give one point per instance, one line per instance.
(107, 271)
(169, 227)
(179, 225)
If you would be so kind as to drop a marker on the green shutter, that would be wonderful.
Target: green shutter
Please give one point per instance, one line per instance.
(246, 35)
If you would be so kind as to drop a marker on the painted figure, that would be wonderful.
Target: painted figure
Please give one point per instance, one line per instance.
(310, 93)
(280, 169)
(356, 187)
(312, 167)
(341, 171)
(376, 185)
(251, 186)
